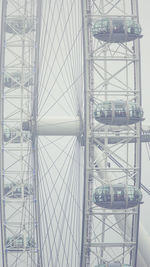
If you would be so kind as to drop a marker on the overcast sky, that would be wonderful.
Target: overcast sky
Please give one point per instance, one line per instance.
(144, 7)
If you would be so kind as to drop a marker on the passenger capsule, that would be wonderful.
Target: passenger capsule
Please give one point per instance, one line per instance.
(13, 135)
(117, 196)
(15, 80)
(118, 112)
(19, 25)
(18, 242)
(15, 191)
(116, 30)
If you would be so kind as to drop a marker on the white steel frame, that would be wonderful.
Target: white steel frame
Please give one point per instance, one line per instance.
(107, 156)
(18, 161)
(104, 82)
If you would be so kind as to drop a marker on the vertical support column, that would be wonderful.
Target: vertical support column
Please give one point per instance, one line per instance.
(137, 79)
(28, 225)
(85, 253)
(2, 60)
(34, 135)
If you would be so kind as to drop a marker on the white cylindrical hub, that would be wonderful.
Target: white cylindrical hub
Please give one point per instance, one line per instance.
(66, 126)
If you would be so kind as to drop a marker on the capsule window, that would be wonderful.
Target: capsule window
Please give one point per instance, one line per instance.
(105, 26)
(130, 27)
(120, 110)
(119, 194)
(135, 112)
(133, 27)
(102, 26)
(118, 26)
(7, 133)
(130, 191)
(107, 110)
(18, 190)
(19, 242)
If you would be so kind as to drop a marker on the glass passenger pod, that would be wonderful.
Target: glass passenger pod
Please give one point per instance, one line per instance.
(13, 135)
(15, 80)
(116, 30)
(15, 191)
(117, 196)
(118, 113)
(19, 25)
(17, 242)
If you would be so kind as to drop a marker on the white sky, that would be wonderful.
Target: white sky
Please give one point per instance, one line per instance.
(144, 14)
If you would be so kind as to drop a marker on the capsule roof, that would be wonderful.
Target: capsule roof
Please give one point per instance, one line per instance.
(7, 134)
(118, 112)
(116, 29)
(117, 196)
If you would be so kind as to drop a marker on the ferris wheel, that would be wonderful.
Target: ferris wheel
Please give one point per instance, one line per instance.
(70, 136)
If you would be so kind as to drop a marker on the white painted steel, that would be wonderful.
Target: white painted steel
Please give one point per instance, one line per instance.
(109, 80)
(19, 217)
(94, 168)
(2, 206)
(73, 126)
(61, 126)
(143, 258)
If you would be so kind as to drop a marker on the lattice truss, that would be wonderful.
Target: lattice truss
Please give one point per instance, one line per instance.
(112, 153)
(19, 221)
(49, 168)
(114, 150)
